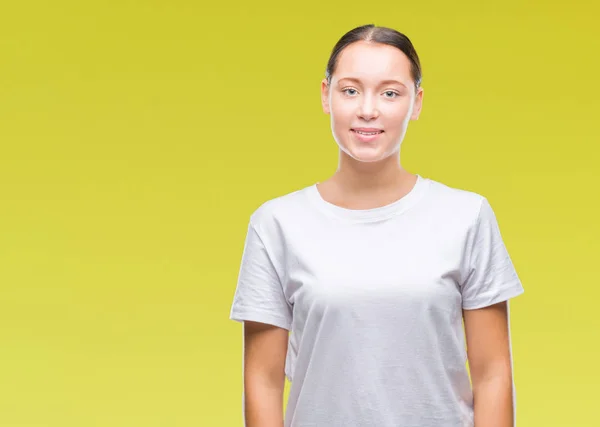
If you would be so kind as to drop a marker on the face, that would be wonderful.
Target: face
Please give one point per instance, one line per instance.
(372, 89)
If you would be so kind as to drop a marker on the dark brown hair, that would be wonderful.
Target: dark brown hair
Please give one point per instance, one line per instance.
(374, 34)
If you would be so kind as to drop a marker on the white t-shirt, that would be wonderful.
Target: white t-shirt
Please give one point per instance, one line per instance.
(373, 300)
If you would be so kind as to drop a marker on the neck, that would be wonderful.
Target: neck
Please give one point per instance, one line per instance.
(354, 177)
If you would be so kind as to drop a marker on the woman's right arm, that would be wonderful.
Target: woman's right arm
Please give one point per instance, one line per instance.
(265, 348)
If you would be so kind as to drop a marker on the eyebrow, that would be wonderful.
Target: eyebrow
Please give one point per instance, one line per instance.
(384, 82)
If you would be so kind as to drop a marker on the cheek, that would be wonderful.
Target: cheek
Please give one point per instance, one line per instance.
(342, 114)
(396, 116)
(397, 108)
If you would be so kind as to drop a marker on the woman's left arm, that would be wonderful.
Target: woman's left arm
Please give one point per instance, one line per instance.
(488, 350)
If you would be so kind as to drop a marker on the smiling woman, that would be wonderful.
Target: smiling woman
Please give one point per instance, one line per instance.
(372, 90)
(374, 271)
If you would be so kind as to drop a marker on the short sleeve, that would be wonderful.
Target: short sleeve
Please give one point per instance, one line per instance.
(491, 276)
(259, 293)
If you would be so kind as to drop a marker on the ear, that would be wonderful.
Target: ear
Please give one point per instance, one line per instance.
(325, 96)
(418, 104)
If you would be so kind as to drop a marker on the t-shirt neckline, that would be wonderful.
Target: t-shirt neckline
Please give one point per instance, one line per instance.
(374, 214)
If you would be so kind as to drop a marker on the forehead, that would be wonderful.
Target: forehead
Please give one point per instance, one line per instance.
(373, 61)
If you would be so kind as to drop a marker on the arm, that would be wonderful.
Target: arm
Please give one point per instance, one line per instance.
(265, 348)
(490, 365)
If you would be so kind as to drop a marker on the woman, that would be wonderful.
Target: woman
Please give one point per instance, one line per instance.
(373, 272)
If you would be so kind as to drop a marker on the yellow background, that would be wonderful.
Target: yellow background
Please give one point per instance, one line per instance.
(136, 138)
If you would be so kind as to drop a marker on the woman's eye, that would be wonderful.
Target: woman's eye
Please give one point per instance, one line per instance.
(392, 94)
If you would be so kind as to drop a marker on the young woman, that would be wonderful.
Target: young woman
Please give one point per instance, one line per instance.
(373, 271)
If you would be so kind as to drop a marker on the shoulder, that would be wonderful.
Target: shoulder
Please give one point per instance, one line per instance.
(456, 202)
(272, 212)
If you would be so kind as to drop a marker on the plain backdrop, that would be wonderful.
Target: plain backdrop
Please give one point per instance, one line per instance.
(137, 137)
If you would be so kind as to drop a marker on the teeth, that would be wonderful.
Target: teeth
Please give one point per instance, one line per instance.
(366, 133)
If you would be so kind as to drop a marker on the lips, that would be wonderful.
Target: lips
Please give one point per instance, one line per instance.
(367, 137)
(367, 131)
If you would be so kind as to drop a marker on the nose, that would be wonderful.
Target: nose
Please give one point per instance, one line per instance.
(368, 109)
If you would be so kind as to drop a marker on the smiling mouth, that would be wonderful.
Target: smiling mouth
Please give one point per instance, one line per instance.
(367, 133)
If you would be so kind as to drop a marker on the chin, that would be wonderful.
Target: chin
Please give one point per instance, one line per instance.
(366, 155)
(370, 160)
